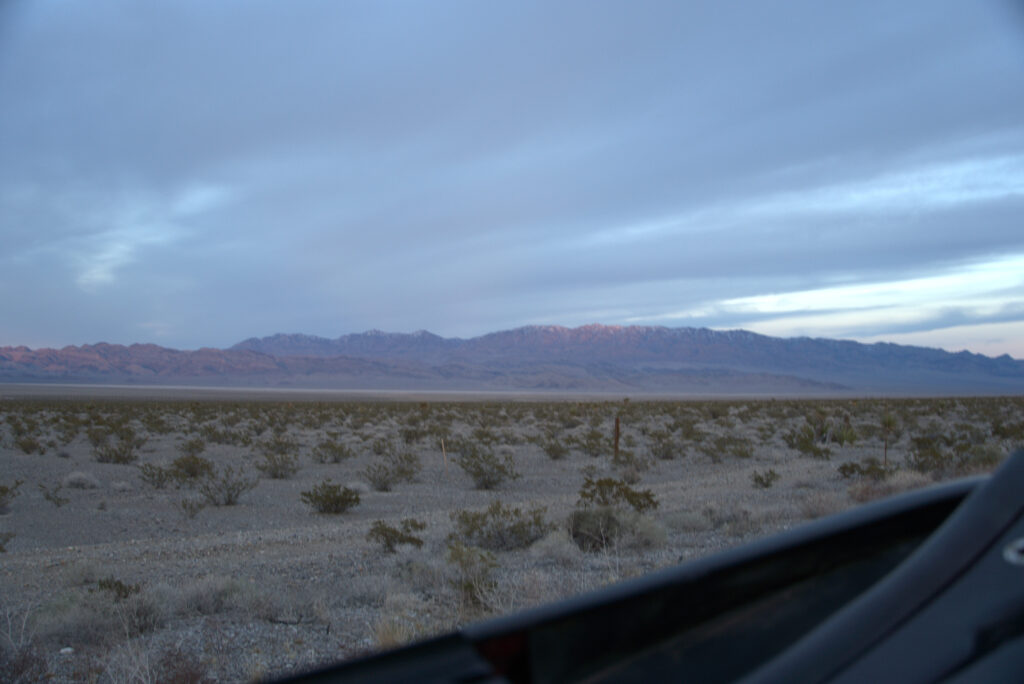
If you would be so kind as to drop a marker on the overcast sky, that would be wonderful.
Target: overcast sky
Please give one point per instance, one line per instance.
(193, 173)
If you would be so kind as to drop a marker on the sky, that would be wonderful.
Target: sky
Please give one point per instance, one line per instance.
(194, 173)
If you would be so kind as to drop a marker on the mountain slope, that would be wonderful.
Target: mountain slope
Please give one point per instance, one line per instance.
(587, 358)
(650, 348)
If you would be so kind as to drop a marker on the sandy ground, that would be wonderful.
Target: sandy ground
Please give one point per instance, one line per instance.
(268, 586)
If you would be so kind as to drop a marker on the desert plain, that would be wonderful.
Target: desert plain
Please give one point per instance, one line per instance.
(200, 535)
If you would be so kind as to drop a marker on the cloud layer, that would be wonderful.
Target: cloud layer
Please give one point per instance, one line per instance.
(194, 173)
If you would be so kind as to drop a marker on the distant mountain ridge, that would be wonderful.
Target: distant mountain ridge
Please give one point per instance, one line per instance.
(590, 358)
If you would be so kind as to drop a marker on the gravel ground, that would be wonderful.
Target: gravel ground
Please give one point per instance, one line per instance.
(267, 586)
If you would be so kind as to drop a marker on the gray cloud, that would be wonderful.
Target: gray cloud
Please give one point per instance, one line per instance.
(194, 173)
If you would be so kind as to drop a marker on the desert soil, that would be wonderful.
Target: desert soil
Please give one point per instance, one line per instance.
(107, 577)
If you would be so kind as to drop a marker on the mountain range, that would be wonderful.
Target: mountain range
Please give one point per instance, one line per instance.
(591, 359)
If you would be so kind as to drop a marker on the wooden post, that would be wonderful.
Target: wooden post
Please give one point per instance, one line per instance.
(445, 455)
(616, 440)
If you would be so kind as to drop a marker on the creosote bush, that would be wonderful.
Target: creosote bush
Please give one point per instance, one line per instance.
(630, 466)
(331, 451)
(929, 453)
(278, 466)
(226, 487)
(486, 469)
(330, 498)
(192, 447)
(7, 494)
(394, 467)
(764, 480)
(555, 449)
(960, 451)
(190, 507)
(663, 446)
(381, 446)
(29, 445)
(845, 434)
(595, 443)
(805, 440)
(593, 529)
(607, 509)
(118, 589)
(391, 537)
(121, 452)
(728, 445)
(499, 528)
(608, 491)
(189, 468)
(155, 476)
(280, 458)
(52, 494)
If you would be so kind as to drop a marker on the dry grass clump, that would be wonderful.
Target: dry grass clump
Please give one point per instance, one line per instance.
(80, 574)
(900, 481)
(472, 574)
(391, 537)
(734, 521)
(687, 522)
(556, 548)
(641, 533)
(20, 657)
(402, 619)
(25, 664)
(80, 480)
(21, 660)
(423, 575)
(821, 504)
(287, 606)
(103, 614)
(217, 595)
(137, 661)
(870, 468)
(212, 595)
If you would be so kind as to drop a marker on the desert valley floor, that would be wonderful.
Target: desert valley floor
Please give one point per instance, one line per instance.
(205, 537)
